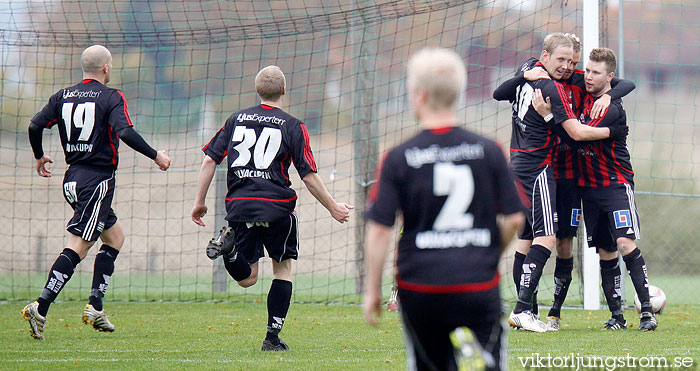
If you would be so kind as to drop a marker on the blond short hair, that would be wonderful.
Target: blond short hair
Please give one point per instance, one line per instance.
(576, 42)
(604, 55)
(556, 40)
(270, 83)
(440, 73)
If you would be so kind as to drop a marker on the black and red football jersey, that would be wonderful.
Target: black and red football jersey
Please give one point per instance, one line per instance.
(533, 141)
(261, 142)
(449, 185)
(604, 162)
(89, 116)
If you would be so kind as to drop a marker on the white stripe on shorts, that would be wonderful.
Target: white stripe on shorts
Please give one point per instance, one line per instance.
(633, 211)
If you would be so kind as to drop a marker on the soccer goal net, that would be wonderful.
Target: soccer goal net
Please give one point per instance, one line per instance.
(185, 66)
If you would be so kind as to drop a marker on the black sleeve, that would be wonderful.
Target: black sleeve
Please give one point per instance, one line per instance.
(134, 140)
(506, 91)
(384, 201)
(217, 147)
(35, 132)
(507, 197)
(620, 88)
(302, 156)
(119, 116)
(561, 104)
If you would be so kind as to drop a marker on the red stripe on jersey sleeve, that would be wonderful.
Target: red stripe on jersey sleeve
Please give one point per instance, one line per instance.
(111, 144)
(308, 155)
(212, 138)
(126, 109)
(50, 123)
(564, 99)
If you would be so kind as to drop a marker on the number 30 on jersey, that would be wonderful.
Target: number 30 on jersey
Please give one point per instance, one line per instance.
(266, 146)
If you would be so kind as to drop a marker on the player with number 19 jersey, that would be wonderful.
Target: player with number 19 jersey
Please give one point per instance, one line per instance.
(261, 143)
(449, 184)
(89, 116)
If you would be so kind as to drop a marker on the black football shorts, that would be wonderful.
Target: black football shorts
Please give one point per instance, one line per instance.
(89, 191)
(568, 207)
(279, 238)
(429, 319)
(613, 210)
(541, 188)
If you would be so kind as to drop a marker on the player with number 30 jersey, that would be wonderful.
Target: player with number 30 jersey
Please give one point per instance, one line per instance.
(261, 143)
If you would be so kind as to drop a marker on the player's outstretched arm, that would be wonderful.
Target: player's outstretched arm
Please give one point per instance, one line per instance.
(340, 211)
(376, 243)
(134, 140)
(206, 173)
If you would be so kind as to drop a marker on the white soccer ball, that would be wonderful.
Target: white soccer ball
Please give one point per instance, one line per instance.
(657, 298)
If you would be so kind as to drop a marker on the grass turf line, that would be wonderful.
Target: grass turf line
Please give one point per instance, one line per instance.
(197, 335)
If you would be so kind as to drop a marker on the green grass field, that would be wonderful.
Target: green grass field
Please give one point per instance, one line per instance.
(205, 335)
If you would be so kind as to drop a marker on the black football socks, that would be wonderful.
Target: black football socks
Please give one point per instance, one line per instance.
(278, 300)
(637, 269)
(562, 280)
(238, 269)
(518, 260)
(611, 277)
(104, 268)
(530, 278)
(60, 273)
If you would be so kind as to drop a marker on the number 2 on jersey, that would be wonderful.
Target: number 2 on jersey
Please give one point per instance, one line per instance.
(83, 118)
(457, 183)
(266, 147)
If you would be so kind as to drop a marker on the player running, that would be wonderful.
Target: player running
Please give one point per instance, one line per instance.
(261, 142)
(91, 118)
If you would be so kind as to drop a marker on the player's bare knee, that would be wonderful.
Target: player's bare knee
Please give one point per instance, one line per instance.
(250, 281)
(607, 255)
(546, 241)
(523, 246)
(625, 245)
(113, 236)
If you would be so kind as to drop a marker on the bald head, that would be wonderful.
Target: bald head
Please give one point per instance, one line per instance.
(270, 83)
(94, 58)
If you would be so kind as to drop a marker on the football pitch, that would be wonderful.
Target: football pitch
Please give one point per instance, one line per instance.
(209, 335)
